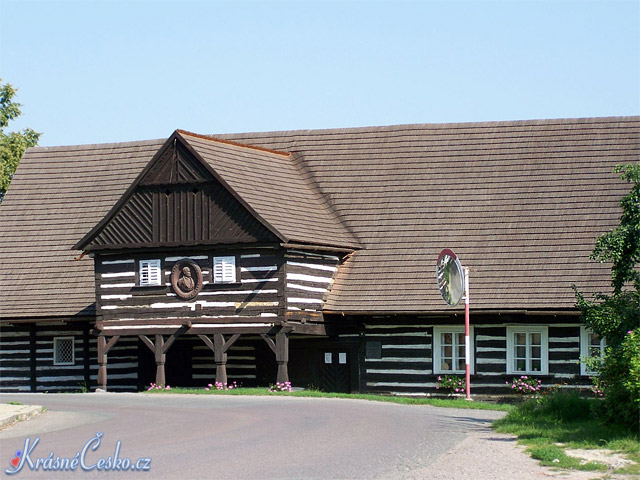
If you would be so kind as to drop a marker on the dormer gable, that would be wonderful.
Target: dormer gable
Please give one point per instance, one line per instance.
(178, 200)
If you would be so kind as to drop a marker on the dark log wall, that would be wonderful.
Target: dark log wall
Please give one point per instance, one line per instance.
(309, 277)
(254, 296)
(27, 363)
(406, 361)
(15, 355)
(122, 367)
(405, 364)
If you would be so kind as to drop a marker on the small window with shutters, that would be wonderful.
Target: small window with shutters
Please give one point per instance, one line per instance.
(224, 269)
(150, 273)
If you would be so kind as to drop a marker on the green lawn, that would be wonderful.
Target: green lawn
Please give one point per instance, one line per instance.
(562, 420)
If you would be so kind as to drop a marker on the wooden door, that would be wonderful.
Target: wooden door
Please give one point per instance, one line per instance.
(335, 370)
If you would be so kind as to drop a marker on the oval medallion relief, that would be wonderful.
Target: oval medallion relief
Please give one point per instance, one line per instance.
(186, 279)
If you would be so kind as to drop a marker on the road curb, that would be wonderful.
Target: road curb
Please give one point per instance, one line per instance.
(10, 414)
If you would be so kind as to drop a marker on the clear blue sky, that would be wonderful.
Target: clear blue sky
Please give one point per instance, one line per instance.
(98, 71)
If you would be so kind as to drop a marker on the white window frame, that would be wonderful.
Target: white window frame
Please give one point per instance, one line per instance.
(55, 350)
(220, 274)
(544, 349)
(585, 350)
(437, 344)
(149, 264)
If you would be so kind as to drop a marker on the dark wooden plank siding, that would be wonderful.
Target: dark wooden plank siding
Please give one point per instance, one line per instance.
(241, 363)
(122, 365)
(15, 363)
(59, 378)
(254, 296)
(406, 361)
(309, 278)
(182, 214)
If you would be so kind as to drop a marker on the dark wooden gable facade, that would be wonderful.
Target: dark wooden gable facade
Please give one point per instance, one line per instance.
(177, 201)
(181, 213)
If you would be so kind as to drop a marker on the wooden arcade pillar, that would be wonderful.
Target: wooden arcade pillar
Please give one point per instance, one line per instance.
(159, 349)
(103, 349)
(219, 347)
(281, 348)
(161, 358)
(282, 357)
(220, 357)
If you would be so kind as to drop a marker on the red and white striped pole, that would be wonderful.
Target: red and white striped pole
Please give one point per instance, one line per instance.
(467, 339)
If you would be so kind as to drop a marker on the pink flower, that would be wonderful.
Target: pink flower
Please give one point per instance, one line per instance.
(207, 389)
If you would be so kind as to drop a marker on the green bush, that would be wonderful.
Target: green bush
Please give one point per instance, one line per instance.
(567, 406)
(620, 382)
(616, 317)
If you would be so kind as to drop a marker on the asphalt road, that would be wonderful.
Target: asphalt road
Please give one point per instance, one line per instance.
(232, 437)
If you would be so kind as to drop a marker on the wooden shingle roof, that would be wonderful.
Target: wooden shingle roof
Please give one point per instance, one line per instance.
(277, 188)
(521, 203)
(56, 196)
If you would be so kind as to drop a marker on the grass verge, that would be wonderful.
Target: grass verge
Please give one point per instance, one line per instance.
(560, 420)
(436, 402)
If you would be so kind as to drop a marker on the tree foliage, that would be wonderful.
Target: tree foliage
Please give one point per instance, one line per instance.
(12, 144)
(616, 317)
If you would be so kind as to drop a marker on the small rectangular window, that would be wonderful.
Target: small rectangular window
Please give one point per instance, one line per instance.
(449, 350)
(527, 350)
(591, 346)
(224, 269)
(63, 351)
(373, 350)
(150, 273)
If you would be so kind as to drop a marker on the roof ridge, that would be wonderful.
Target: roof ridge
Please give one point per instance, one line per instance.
(442, 125)
(230, 142)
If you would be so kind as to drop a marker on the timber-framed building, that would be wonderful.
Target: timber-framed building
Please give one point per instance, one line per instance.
(308, 256)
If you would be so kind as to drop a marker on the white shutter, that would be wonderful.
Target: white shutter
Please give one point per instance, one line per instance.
(224, 269)
(150, 273)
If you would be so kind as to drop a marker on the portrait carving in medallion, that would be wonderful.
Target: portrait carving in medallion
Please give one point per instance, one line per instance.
(186, 279)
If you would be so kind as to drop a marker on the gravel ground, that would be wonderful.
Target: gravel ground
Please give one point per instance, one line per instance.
(487, 455)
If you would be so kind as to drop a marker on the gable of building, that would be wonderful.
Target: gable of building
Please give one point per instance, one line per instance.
(177, 200)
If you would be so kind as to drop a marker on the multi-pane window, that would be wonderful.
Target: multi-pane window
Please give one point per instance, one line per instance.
(63, 351)
(150, 273)
(224, 269)
(527, 350)
(449, 350)
(591, 345)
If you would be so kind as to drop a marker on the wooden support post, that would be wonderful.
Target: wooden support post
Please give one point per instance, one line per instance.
(86, 359)
(103, 349)
(102, 362)
(160, 360)
(220, 358)
(282, 356)
(33, 353)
